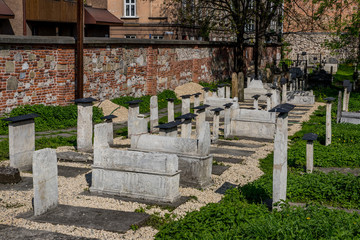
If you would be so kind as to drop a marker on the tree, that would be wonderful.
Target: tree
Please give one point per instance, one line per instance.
(240, 20)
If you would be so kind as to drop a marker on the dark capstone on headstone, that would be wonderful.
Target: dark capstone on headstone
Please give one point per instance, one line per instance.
(9, 175)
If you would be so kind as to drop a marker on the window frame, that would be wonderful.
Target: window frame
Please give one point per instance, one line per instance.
(130, 4)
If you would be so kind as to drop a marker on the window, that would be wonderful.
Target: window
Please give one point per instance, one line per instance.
(130, 36)
(250, 27)
(157, 37)
(130, 8)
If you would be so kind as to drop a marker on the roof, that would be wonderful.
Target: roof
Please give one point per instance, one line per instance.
(85, 100)
(5, 11)
(169, 125)
(21, 118)
(101, 17)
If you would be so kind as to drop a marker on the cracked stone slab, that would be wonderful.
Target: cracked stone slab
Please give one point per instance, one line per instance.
(224, 187)
(219, 169)
(228, 160)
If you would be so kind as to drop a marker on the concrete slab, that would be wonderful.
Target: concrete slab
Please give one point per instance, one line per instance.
(219, 169)
(224, 187)
(25, 184)
(17, 233)
(252, 139)
(70, 172)
(94, 218)
(75, 156)
(228, 160)
(237, 144)
(354, 171)
(233, 152)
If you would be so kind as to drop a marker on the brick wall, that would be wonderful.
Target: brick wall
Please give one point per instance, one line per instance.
(40, 70)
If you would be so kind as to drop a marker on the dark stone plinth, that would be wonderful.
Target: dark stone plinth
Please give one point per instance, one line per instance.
(283, 108)
(219, 169)
(283, 81)
(217, 109)
(346, 83)
(225, 187)
(329, 99)
(169, 125)
(228, 105)
(310, 136)
(109, 117)
(185, 96)
(202, 107)
(197, 94)
(187, 116)
(9, 175)
(21, 118)
(206, 89)
(268, 94)
(134, 102)
(256, 97)
(85, 100)
(170, 99)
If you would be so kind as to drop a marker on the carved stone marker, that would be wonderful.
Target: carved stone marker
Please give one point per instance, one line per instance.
(169, 129)
(45, 180)
(256, 101)
(280, 152)
(154, 114)
(185, 105)
(310, 138)
(227, 116)
(346, 83)
(328, 120)
(206, 94)
(283, 82)
(197, 99)
(268, 101)
(170, 107)
(109, 128)
(234, 83)
(201, 117)
(133, 112)
(216, 121)
(21, 141)
(221, 91)
(186, 124)
(84, 124)
(338, 114)
(241, 92)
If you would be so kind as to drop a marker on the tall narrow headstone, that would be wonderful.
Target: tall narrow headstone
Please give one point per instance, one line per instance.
(349, 89)
(170, 109)
(216, 122)
(284, 90)
(256, 101)
(221, 91)
(206, 92)
(328, 120)
(109, 128)
(21, 141)
(214, 92)
(186, 124)
(338, 115)
(234, 83)
(201, 117)
(197, 99)
(346, 83)
(84, 124)
(268, 101)
(45, 180)
(154, 114)
(185, 105)
(241, 92)
(227, 91)
(227, 116)
(310, 138)
(133, 112)
(280, 152)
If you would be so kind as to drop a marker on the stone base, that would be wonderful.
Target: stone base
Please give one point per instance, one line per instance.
(219, 103)
(249, 92)
(300, 98)
(132, 184)
(9, 175)
(350, 117)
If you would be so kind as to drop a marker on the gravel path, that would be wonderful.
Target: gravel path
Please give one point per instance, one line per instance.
(71, 189)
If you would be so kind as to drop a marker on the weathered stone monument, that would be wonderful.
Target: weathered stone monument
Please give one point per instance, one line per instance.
(185, 105)
(197, 99)
(109, 127)
(195, 161)
(221, 90)
(256, 101)
(338, 113)
(154, 114)
(310, 138)
(216, 123)
(137, 123)
(21, 141)
(227, 91)
(241, 86)
(328, 120)
(227, 116)
(186, 124)
(255, 87)
(234, 83)
(206, 92)
(214, 93)
(268, 101)
(283, 82)
(84, 124)
(346, 84)
(133, 174)
(45, 180)
(170, 108)
(201, 117)
(280, 152)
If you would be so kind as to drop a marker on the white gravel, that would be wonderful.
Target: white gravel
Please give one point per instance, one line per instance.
(13, 202)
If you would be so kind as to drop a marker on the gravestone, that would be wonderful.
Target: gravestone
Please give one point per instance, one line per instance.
(133, 112)
(45, 180)
(154, 114)
(338, 114)
(328, 120)
(185, 105)
(201, 117)
(216, 121)
(227, 116)
(170, 108)
(21, 141)
(186, 124)
(109, 127)
(310, 138)
(234, 83)
(197, 99)
(84, 124)
(169, 129)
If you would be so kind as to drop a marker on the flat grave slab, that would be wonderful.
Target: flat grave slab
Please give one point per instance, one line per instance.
(70, 172)
(17, 233)
(295, 116)
(9, 175)
(233, 152)
(75, 156)
(237, 144)
(354, 171)
(224, 187)
(252, 139)
(182, 200)
(219, 169)
(228, 160)
(25, 184)
(301, 109)
(93, 218)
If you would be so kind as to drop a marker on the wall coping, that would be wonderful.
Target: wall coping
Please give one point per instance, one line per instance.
(10, 39)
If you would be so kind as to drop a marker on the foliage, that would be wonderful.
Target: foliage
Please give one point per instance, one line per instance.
(50, 117)
(145, 104)
(235, 218)
(215, 84)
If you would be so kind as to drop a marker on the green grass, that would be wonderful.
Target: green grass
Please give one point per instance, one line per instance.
(345, 72)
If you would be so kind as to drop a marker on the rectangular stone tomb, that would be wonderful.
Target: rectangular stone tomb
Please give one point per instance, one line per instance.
(300, 98)
(150, 176)
(252, 123)
(195, 162)
(215, 102)
(350, 117)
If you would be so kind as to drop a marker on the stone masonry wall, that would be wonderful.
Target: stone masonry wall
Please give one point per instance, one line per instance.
(313, 43)
(41, 70)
